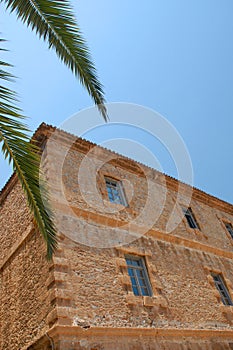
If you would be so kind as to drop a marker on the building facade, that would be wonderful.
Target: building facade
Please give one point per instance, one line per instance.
(143, 262)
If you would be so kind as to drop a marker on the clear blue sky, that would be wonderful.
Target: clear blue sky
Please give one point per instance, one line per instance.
(175, 57)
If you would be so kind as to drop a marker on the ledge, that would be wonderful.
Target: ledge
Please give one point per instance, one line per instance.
(57, 330)
(159, 235)
(138, 332)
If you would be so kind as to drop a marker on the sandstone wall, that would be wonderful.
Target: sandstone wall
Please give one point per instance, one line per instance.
(98, 289)
(15, 220)
(24, 274)
(95, 283)
(88, 193)
(65, 338)
(86, 293)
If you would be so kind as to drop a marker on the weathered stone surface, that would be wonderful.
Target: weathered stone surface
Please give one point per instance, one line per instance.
(84, 299)
(24, 295)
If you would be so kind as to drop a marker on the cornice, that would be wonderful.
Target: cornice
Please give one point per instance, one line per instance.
(135, 167)
(44, 131)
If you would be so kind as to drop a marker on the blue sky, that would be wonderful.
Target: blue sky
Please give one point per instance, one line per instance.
(175, 57)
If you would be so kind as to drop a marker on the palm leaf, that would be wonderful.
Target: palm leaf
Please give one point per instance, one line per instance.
(54, 22)
(16, 147)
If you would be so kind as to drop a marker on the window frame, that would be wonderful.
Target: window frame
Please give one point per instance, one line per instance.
(221, 286)
(120, 190)
(190, 218)
(230, 230)
(143, 268)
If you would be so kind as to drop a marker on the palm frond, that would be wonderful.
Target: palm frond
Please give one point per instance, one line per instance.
(18, 150)
(53, 20)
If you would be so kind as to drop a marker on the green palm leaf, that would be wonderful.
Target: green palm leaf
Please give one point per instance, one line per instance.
(16, 147)
(54, 22)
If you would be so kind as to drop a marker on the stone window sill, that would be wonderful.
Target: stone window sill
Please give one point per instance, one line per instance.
(148, 301)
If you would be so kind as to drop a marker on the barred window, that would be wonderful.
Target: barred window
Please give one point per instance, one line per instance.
(222, 288)
(190, 218)
(229, 228)
(138, 275)
(115, 191)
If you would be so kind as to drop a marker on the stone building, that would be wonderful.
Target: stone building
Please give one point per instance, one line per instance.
(144, 262)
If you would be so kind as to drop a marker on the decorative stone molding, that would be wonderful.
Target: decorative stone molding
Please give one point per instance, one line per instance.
(133, 299)
(135, 251)
(60, 293)
(227, 310)
(147, 301)
(156, 234)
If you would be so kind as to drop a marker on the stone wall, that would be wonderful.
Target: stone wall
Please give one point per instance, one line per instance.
(24, 274)
(81, 187)
(70, 338)
(95, 286)
(15, 219)
(84, 299)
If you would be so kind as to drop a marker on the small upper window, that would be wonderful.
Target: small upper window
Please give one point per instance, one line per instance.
(115, 191)
(229, 228)
(221, 287)
(190, 218)
(138, 275)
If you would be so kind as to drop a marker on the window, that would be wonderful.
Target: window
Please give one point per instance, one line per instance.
(115, 191)
(190, 218)
(221, 287)
(138, 276)
(229, 228)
